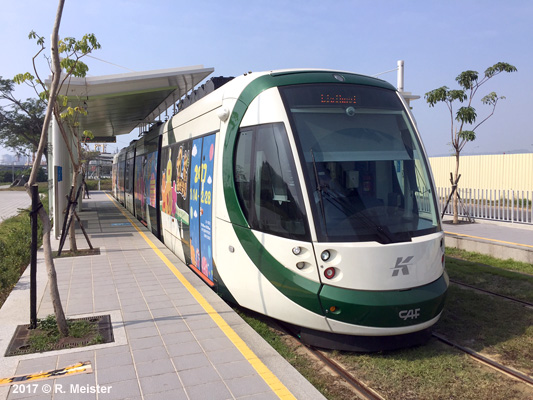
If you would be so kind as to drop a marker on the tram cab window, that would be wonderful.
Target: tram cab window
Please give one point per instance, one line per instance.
(266, 182)
(366, 172)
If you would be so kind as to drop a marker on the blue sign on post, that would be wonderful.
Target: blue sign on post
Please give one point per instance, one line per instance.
(59, 173)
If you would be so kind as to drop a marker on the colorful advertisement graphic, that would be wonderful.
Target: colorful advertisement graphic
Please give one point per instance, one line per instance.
(140, 193)
(151, 173)
(201, 195)
(206, 208)
(194, 212)
(175, 179)
(175, 172)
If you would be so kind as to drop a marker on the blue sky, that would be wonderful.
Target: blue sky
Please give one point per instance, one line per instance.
(437, 40)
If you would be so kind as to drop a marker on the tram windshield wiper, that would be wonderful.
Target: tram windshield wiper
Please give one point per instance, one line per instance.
(319, 189)
(383, 233)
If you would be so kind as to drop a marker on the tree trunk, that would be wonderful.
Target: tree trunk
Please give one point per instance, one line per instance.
(43, 215)
(456, 193)
(52, 277)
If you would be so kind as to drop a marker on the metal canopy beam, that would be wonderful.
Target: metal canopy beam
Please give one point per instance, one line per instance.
(116, 104)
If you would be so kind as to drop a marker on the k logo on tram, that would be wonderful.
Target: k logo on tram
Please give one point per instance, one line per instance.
(402, 264)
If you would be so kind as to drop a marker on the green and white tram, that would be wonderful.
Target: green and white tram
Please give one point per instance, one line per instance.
(304, 195)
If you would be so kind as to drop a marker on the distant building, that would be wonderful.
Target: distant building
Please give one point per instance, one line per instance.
(6, 159)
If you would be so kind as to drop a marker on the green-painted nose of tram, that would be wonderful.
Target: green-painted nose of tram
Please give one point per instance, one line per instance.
(385, 309)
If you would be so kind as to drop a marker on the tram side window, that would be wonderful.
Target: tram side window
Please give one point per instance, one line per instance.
(266, 182)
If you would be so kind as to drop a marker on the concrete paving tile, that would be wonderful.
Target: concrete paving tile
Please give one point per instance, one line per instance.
(129, 304)
(155, 304)
(182, 349)
(172, 325)
(108, 376)
(105, 306)
(146, 277)
(165, 312)
(190, 361)
(178, 337)
(216, 344)
(247, 386)
(153, 353)
(218, 357)
(142, 333)
(127, 286)
(154, 294)
(113, 360)
(209, 391)
(197, 376)
(160, 383)
(128, 389)
(176, 288)
(23, 392)
(209, 333)
(176, 394)
(143, 315)
(36, 365)
(132, 324)
(145, 342)
(105, 295)
(75, 386)
(191, 310)
(155, 367)
(113, 350)
(134, 306)
(205, 322)
(261, 396)
(64, 360)
(79, 309)
(237, 369)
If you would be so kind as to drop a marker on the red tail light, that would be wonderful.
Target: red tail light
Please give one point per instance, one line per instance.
(329, 273)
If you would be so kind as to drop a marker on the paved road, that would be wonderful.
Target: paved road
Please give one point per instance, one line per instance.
(10, 202)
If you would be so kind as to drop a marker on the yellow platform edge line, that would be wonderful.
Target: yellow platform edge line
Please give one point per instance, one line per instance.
(487, 239)
(271, 380)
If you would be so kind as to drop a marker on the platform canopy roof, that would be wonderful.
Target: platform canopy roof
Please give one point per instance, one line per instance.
(116, 104)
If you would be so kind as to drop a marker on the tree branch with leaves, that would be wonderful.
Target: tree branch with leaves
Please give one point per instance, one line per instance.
(463, 121)
(67, 110)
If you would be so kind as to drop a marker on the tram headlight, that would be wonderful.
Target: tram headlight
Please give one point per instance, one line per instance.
(325, 255)
(296, 250)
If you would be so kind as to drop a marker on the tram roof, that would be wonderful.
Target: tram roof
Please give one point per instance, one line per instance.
(116, 104)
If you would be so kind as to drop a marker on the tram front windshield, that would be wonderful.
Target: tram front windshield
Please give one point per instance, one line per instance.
(365, 170)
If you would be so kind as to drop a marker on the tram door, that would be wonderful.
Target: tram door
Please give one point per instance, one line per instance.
(200, 213)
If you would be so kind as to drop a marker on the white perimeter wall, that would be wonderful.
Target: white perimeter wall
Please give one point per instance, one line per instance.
(497, 171)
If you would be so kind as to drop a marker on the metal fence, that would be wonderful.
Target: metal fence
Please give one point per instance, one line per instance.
(497, 205)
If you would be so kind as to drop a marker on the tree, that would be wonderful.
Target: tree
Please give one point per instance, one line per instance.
(67, 119)
(67, 110)
(463, 121)
(21, 122)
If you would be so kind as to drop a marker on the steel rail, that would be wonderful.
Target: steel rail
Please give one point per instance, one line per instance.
(522, 302)
(362, 390)
(365, 391)
(488, 361)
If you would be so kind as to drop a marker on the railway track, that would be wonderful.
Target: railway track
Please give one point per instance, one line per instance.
(487, 361)
(518, 301)
(360, 388)
(356, 386)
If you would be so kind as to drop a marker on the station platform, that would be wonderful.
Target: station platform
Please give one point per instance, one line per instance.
(174, 338)
(498, 239)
